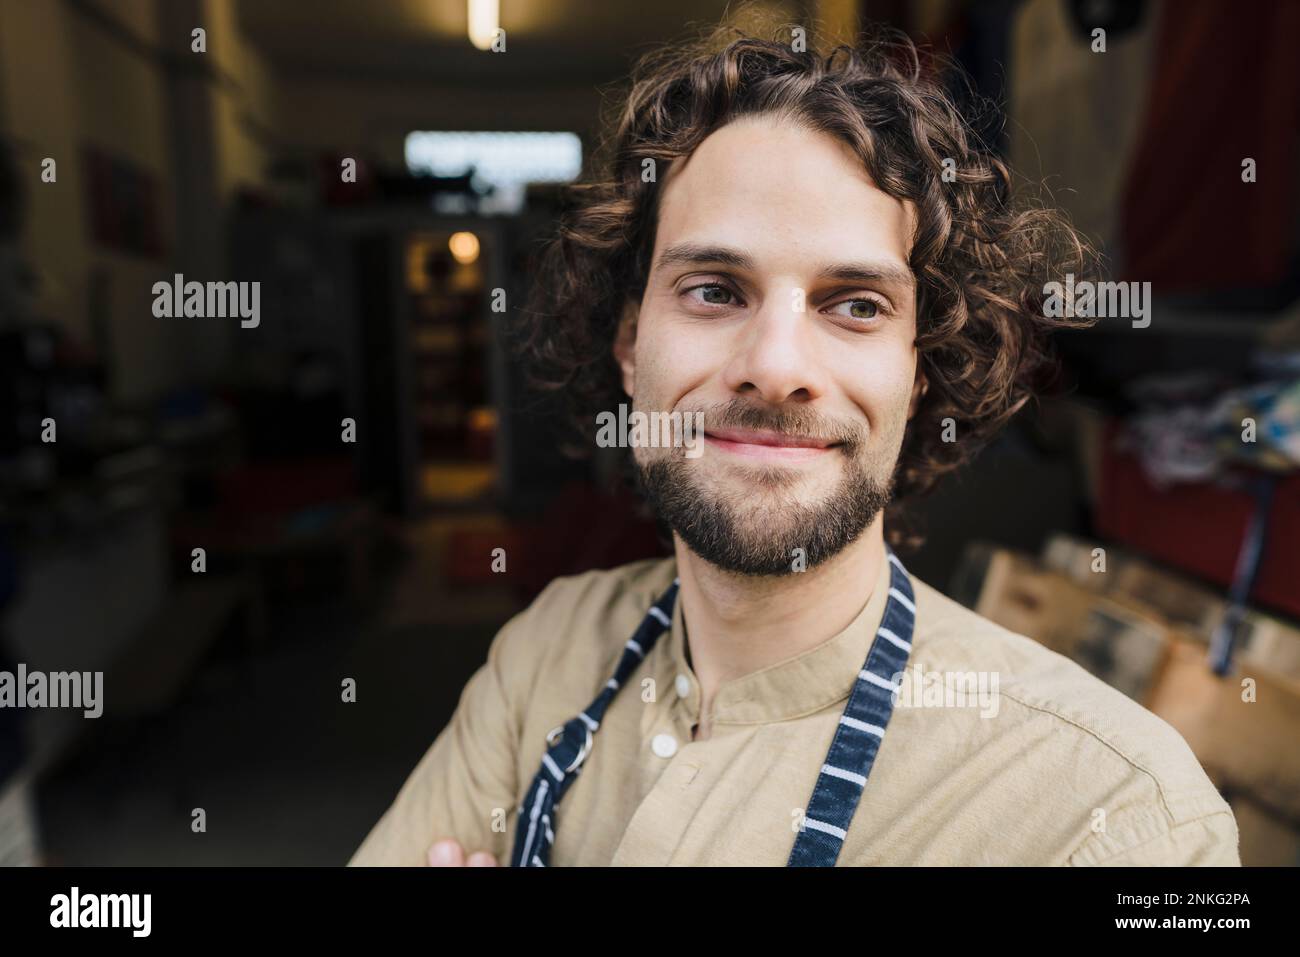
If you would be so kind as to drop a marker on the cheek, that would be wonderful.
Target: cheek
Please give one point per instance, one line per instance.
(647, 368)
(880, 383)
(668, 366)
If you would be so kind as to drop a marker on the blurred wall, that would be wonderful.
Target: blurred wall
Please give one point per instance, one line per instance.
(372, 115)
(89, 73)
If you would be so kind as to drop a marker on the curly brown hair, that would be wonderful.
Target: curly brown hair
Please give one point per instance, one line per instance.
(980, 261)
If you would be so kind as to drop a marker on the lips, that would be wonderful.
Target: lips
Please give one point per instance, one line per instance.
(761, 445)
(768, 438)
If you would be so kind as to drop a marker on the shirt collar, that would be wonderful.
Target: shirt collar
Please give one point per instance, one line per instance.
(802, 684)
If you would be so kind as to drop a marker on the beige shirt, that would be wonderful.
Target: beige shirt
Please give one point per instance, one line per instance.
(1055, 768)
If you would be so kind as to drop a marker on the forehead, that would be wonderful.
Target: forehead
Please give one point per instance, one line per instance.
(784, 193)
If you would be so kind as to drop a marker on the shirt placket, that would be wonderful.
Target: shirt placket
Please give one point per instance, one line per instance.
(670, 760)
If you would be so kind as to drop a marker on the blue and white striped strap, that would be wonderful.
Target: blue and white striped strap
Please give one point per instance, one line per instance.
(562, 761)
(860, 730)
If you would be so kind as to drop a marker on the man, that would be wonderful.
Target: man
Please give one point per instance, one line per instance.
(811, 252)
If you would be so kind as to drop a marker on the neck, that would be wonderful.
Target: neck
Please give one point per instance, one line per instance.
(738, 624)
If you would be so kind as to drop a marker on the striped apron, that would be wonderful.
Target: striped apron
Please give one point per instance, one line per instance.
(843, 774)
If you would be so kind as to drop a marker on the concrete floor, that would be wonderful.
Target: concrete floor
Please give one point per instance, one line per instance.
(286, 772)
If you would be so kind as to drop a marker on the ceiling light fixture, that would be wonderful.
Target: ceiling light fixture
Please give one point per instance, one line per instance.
(484, 21)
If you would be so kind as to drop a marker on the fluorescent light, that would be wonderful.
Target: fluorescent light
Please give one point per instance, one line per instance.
(508, 161)
(484, 21)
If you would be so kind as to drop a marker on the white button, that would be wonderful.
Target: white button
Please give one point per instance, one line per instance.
(683, 686)
(664, 745)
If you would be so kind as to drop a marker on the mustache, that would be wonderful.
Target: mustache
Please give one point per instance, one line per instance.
(797, 421)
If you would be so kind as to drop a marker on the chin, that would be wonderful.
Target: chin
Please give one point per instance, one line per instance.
(751, 525)
(772, 557)
(739, 480)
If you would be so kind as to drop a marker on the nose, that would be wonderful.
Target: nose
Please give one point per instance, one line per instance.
(775, 357)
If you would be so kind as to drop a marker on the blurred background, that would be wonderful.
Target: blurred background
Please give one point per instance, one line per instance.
(1134, 522)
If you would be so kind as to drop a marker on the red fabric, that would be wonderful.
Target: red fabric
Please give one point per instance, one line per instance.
(1199, 528)
(1225, 86)
(582, 529)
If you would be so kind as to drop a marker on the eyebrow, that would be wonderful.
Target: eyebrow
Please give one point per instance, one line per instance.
(689, 254)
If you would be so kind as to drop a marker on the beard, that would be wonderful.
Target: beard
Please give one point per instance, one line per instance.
(755, 531)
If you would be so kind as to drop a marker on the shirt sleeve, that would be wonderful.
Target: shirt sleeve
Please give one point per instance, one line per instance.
(465, 786)
(1208, 841)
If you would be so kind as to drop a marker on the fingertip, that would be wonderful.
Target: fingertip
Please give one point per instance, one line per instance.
(445, 853)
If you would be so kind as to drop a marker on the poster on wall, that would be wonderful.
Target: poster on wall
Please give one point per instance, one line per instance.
(124, 204)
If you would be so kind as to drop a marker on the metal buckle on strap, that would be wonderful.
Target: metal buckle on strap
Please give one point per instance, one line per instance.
(556, 732)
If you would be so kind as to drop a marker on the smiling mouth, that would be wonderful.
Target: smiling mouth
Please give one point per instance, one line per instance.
(765, 444)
